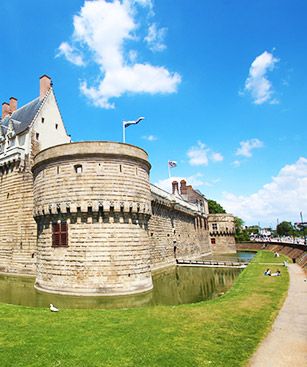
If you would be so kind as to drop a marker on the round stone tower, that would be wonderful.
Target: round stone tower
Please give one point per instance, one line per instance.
(92, 206)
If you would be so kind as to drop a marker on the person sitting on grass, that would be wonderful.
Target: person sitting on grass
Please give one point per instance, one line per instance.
(267, 272)
(277, 274)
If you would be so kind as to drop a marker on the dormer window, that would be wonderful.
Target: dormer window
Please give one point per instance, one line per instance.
(10, 130)
(10, 143)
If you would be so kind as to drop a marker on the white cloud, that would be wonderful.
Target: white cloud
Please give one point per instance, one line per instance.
(247, 146)
(236, 163)
(257, 83)
(284, 197)
(155, 38)
(150, 137)
(200, 154)
(217, 157)
(107, 30)
(70, 54)
(194, 180)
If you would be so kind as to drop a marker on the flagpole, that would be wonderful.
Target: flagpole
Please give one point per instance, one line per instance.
(169, 170)
(124, 135)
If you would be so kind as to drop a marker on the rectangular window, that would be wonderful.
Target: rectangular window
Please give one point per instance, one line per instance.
(59, 234)
(214, 226)
(212, 241)
(78, 168)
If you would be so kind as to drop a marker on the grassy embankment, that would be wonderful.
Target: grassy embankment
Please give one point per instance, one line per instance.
(222, 332)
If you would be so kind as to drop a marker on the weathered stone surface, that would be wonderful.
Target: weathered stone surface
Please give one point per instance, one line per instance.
(17, 226)
(221, 231)
(175, 234)
(102, 191)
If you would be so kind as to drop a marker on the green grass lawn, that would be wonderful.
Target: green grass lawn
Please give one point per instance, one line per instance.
(222, 332)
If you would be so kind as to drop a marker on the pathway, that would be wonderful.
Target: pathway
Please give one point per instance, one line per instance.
(286, 345)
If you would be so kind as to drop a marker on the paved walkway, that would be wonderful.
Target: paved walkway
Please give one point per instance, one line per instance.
(286, 345)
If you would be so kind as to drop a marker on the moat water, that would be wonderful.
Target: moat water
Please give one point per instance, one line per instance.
(172, 286)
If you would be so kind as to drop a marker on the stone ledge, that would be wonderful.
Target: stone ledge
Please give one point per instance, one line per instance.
(90, 149)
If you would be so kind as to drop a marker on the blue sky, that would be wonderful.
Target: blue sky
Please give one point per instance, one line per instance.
(222, 85)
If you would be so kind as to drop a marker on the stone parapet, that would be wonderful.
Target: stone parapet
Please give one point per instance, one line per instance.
(91, 176)
(91, 149)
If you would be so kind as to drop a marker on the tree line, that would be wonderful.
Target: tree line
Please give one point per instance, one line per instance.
(242, 233)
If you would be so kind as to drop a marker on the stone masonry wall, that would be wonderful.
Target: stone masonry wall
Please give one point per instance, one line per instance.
(17, 226)
(221, 231)
(106, 254)
(101, 190)
(175, 234)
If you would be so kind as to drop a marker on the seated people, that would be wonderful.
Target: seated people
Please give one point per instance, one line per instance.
(277, 274)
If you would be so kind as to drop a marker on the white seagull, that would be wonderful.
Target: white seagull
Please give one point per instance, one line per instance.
(53, 308)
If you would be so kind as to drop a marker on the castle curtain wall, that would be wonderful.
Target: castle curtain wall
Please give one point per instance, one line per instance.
(175, 233)
(17, 226)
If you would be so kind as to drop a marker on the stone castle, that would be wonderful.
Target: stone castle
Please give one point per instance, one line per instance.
(83, 217)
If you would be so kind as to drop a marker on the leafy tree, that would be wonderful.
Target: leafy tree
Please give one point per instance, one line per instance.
(215, 208)
(253, 229)
(284, 228)
(241, 233)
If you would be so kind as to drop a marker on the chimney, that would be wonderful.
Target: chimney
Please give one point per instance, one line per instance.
(5, 109)
(183, 187)
(174, 187)
(44, 86)
(13, 104)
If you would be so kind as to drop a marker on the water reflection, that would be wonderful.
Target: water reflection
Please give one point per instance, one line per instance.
(176, 285)
(238, 256)
(180, 285)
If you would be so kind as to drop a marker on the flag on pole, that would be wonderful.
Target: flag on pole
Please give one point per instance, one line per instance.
(172, 164)
(128, 123)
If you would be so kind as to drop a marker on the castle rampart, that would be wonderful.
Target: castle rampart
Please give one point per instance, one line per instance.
(92, 205)
(99, 226)
(177, 229)
(17, 226)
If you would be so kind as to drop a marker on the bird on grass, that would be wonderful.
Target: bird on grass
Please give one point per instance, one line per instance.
(53, 308)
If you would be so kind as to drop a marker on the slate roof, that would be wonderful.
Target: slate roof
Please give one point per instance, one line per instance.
(23, 117)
